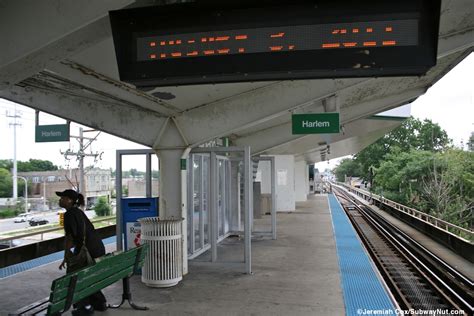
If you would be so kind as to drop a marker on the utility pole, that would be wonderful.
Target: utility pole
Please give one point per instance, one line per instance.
(15, 116)
(26, 193)
(81, 154)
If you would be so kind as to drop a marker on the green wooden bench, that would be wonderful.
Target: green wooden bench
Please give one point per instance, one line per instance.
(75, 286)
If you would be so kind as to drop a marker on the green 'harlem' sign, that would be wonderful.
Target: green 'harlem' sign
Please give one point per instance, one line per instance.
(52, 133)
(319, 123)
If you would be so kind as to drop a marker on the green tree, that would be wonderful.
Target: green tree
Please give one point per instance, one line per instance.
(347, 167)
(36, 165)
(6, 164)
(448, 191)
(30, 165)
(102, 207)
(124, 190)
(470, 144)
(440, 184)
(400, 174)
(413, 134)
(134, 173)
(6, 183)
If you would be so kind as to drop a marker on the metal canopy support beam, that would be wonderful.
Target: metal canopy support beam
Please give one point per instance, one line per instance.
(129, 122)
(274, 101)
(456, 41)
(95, 81)
(309, 143)
(231, 114)
(354, 144)
(356, 104)
(270, 141)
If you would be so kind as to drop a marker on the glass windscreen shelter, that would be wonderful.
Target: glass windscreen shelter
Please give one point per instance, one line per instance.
(219, 199)
(199, 185)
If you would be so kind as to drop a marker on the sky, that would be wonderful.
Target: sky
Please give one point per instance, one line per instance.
(27, 148)
(450, 103)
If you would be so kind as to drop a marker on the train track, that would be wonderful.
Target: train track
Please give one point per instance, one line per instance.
(418, 279)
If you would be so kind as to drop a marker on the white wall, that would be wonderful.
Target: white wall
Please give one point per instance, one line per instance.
(301, 181)
(264, 170)
(285, 181)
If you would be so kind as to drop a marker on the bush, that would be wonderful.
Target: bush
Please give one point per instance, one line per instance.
(102, 207)
(8, 212)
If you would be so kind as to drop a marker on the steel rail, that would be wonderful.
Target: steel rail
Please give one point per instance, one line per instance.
(426, 218)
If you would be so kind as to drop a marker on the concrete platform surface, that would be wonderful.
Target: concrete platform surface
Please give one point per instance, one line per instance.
(297, 274)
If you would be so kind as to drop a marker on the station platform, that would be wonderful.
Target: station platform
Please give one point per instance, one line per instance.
(297, 274)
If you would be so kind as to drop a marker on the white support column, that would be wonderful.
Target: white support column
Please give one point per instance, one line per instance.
(172, 205)
(274, 197)
(170, 183)
(306, 179)
(285, 185)
(300, 181)
(268, 176)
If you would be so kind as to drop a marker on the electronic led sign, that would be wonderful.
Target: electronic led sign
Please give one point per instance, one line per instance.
(195, 43)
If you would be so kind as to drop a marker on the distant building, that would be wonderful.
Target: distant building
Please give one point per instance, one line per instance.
(46, 183)
(136, 187)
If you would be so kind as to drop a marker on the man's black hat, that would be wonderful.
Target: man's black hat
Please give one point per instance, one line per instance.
(73, 195)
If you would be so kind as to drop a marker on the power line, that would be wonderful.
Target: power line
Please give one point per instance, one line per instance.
(81, 155)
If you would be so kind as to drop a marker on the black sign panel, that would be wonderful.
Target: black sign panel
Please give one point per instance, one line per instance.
(195, 43)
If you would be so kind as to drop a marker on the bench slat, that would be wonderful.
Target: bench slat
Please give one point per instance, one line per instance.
(88, 279)
(33, 307)
(108, 270)
(104, 261)
(59, 306)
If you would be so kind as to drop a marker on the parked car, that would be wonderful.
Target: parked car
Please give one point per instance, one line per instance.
(35, 221)
(90, 206)
(22, 218)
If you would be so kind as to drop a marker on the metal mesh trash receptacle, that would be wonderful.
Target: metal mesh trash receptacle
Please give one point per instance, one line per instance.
(163, 266)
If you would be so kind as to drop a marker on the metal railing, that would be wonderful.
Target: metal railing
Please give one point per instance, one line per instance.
(35, 232)
(450, 228)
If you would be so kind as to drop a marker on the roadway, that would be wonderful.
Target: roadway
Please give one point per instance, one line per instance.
(8, 224)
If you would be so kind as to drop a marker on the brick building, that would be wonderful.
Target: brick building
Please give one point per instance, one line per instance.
(46, 183)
